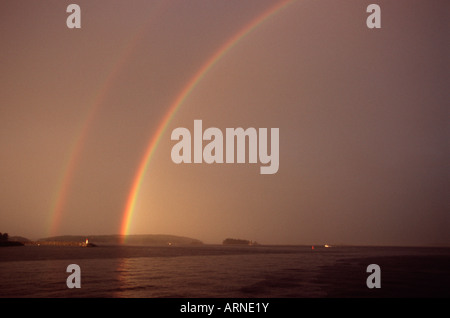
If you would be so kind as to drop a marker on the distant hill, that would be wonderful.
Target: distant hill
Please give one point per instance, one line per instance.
(145, 239)
(18, 239)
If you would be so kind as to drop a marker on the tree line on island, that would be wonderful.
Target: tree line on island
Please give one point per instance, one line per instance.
(232, 241)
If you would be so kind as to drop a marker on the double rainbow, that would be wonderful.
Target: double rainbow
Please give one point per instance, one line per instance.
(77, 145)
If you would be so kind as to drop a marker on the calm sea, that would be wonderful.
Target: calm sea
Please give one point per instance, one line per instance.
(211, 271)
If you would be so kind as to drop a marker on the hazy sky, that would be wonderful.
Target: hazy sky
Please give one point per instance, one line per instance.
(363, 116)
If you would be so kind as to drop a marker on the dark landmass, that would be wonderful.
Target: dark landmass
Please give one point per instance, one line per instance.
(5, 241)
(147, 239)
(231, 241)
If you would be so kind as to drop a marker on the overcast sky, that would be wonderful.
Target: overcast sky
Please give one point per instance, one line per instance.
(363, 118)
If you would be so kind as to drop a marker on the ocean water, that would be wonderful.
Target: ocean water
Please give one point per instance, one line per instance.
(215, 271)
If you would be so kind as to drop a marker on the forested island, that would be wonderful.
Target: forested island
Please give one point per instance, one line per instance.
(231, 241)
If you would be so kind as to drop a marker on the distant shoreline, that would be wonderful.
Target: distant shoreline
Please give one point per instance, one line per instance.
(171, 240)
(58, 243)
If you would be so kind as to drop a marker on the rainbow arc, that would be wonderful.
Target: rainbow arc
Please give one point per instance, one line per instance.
(181, 97)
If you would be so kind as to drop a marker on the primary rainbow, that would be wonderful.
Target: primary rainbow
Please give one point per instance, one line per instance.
(185, 92)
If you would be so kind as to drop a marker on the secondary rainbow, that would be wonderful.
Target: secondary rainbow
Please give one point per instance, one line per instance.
(77, 145)
(181, 97)
(74, 153)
